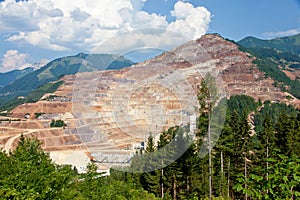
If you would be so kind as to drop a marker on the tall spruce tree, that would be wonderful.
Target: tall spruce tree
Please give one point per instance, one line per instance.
(150, 180)
(282, 129)
(224, 152)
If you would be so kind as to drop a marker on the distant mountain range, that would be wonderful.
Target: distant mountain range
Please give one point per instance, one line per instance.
(124, 105)
(9, 77)
(279, 58)
(289, 44)
(30, 80)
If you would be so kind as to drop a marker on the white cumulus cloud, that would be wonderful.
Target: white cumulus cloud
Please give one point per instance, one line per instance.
(191, 21)
(12, 60)
(81, 25)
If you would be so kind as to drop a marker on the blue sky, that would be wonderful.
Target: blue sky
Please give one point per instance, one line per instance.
(37, 31)
(236, 19)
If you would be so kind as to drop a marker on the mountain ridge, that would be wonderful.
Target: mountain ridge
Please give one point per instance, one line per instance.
(59, 67)
(7, 78)
(288, 43)
(278, 58)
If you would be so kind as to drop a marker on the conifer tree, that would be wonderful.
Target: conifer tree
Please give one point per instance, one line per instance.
(292, 137)
(282, 129)
(151, 178)
(224, 153)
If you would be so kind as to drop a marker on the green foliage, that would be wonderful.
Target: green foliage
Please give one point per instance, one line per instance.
(57, 123)
(271, 69)
(282, 181)
(264, 165)
(242, 103)
(294, 66)
(272, 110)
(284, 44)
(288, 134)
(56, 69)
(243, 162)
(38, 114)
(117, 186)
(9, 77)
(270, 54)
(33, 96)
(28, 173)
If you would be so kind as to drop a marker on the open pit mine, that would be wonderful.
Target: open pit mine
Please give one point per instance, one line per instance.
(109, 114)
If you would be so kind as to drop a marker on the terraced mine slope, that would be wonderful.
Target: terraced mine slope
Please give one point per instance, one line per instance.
(110, 113)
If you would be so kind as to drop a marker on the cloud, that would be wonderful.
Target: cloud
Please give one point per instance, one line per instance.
(191, 21)
(40, 64)
(282, 33)
(12, 60)
(81, 25)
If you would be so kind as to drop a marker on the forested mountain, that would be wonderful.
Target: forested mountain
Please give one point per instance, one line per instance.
(58, 68)
(289, 44)
(279, 58)
(9, 77)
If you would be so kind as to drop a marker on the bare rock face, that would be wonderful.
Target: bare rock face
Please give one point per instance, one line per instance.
(109, 113)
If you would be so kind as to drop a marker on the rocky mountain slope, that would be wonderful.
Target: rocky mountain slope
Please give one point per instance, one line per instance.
(110, 113)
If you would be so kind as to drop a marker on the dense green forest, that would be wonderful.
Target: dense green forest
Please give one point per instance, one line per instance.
(273, 55)
(9, 77)
(245, 165)
(32, 97)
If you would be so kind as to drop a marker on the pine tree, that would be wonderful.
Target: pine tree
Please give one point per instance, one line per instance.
(242, 152)
(267, 141)
(224, 152)
(293, 138)
(30, 173)
(207, 97)
(282, 131)
(150, 180)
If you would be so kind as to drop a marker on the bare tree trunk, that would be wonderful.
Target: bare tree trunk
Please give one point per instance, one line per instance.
(228, 179)
(209, 157)
(245, 167)
(162, 183)
(267, 163)
(187, 184)
(222, 172)
(174, 187)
